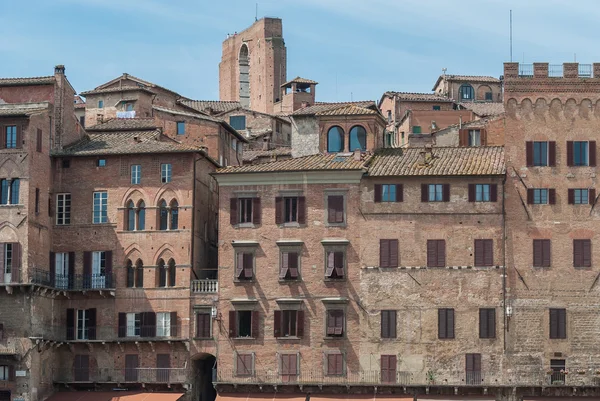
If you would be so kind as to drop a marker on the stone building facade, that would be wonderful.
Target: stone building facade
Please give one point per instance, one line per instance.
(469, 88)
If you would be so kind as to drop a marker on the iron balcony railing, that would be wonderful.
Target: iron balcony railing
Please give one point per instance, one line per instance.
(173, 332)
(75, 282)
(206, 286)
(125, 375)
(555, 70)
(526, 70)
(585, 70)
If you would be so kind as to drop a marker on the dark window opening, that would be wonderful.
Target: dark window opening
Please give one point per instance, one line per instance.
(244, 324)
(245, 210)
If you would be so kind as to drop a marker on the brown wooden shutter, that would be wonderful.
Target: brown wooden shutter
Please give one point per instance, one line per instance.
(122, 328)
(39, 140)
(339, 364)
(592, 155)
(279, 209)
(377, 191)
(569, 153)
(463, 137)
(546, 253)
(92, 323)
(431, 253)
(392, 315)
(446, 192)
(592, 196)
(87, 265)
(483, 136)
(71, 282)
(385, 324)
(392, 362)
(471, 192)
(441, 253)
(554, 323)
(52, 268)
(242, 369)
(239, 268)
(384, 253)
(300, 323)
(301, 210)
(537, 253)
(339, 211)
(70, 324)
(450, 323)
(330, 264)
(473, 365)
(285, 265)
(529, 153)
(148, 322)
(551, 196)
(232, 324)
(16, 271)
(571, 196)
(577, 253)
(491, 315)
(11, 373)
(399, 192)
(277, 323)
(248, 265)
(293, 264)
(587, 253)
(483, 323)
(529, 196)
(330, 364)
(562, 323)
(488, 252)
(478, 252)
(233, 211)
(330, 322)
(424, 193)
(393, 253)
(256, 211)
(255, 324)
(442, 329)
(19, 136)
(552, 154)
(338, 258)
(174, 325)
(493, 192)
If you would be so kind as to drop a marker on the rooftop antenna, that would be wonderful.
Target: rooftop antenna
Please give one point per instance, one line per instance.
(574, 57)
(256, 15)
(351, 97)
(511, 36)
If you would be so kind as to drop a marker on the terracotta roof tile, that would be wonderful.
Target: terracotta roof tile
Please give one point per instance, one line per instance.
(484, 109)
(215, 106)
(251, 155)
(22, 109)
(455, 161)
(27, 81)
(116, 89)
(318, 162)
(125, 124)
(130, 142)
(419, 97)
(348, 110)
(300, 80)
(474, 78)
(328, 107)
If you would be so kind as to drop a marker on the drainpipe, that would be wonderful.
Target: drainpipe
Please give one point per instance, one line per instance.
(504, 264)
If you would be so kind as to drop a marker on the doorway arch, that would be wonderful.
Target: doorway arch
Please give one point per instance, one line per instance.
(204, 366)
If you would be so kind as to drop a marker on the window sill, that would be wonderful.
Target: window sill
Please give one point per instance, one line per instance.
(334, 280)
(245, 225)
(291, 225)
(289, 338)
(250, 281)
(342, 337)
(244, 338)
(203, 338)
(11, 205)
(290, 281)
(341, 225)
(149, 231)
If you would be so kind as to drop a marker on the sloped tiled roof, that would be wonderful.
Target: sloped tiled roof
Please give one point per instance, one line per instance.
(453, 161)
(22, 109)
(251, 155)
(300, 80)
(216, 106)
(348, 110)
(318, 162)
(116, 143)
(125, 124)
(484, 109)
(116, 89)
(319, 108)
(418, 97)
(27, 81)
(474, 78)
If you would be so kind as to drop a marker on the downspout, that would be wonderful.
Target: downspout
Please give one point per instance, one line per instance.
(504, 265)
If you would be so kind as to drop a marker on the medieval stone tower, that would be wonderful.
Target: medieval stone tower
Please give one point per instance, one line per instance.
(253, 65)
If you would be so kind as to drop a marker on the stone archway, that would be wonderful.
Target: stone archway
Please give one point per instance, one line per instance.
(204, 366)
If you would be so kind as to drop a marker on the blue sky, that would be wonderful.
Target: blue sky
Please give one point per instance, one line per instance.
(354, 48)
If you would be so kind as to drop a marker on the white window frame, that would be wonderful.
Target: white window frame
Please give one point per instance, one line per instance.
(163, 324)
(480, 193)
(61, 270)
(98, 278)
(136, 173)
(63, 209)
(100, 200)
(474, 137)
(8, 262)
(81, 327)
(166, 173)
(134, 325)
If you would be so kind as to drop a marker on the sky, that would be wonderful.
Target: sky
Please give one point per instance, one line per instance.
(355, 49)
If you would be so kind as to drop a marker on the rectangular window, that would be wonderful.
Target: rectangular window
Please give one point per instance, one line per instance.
(203, 325)
(238, 122)
(388, 368)
(288, 269)
(8, 261)
(489, 96)
(416, 129)
(335, 364)
(98, 279)
(4, 373)
(388, 253)
(487, 323)
(580, 153)
(38, 143)
(581, 196)
(289, 367)
(540, 196)
(540, 153)
(10, 137)
(100, 104)
(558, 323)
(445, 323)
(541, 253)
(180, 127)
(101, 163)
(246, 208)
(128, 106)
(37, 201)
(437, 108)
(482, 193)
(100, 212)
(244, 323)
(557, 367)
(136, 173)
(388, 192)
(14, 191)
(389, 116)
(163, 324)
(435, 192)
(474, 137)
(436, 253)
(165, 173)
(245, 211)
(335, 323)
(83, 324)
(335, 209)
(290, 209)
(244, 269)
(63, 209)
(61, 270)
(289, 323)
(484, 252)
(134, 324)
(335, 264)
(244, 365)
(473, 369)
(388, 324)
(582, 253)
(4, 190)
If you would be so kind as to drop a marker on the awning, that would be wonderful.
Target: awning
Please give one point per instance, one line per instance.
(260, 397)
(456, 398)
(113, 396)
(361, 397)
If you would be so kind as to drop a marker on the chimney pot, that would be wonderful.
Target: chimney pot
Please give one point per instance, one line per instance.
(357, 155)
(59, 69)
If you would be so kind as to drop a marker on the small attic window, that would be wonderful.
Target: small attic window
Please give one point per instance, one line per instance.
(101, 163)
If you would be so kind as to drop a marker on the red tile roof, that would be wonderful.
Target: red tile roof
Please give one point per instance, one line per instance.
(27, 81)
(319, 108)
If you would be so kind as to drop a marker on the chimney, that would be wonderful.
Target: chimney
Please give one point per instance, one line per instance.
(266, 143)
(428, 153)
(59, 70)
(304, 105)
(357, 154)
(99, 118)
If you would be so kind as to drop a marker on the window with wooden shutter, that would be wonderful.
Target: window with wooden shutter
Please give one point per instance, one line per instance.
(301, 210)
(388, 324)
(288, 367)
(558, 323)
(541, 253)
(569, 153)
(335, 364)
(377, 192)
(445, 323)
(233, 211)
(487, 323)
(244, 269)
(244, 365)
(288, 269)
(203, 321)
(529, 153)
(582, 253)
(484, 252)
(436, 253)
(388, 368)
(335, 209)
(473, 369)
(388, 253)
(335, 323)
(552, 154)
(335, 261)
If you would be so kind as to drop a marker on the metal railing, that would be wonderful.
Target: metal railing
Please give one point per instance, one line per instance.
(526, 70)
(555, 70)
(585, 70)
(75, 282)
(206, 286)
(171, 332)
(14, 277)
(126, 375)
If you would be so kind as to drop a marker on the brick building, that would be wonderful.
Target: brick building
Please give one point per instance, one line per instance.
(469, 88)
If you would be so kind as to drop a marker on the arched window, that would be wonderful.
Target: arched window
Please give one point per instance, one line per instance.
(358, 138)
(466, 92)
(130, 216)
(174, 215)
(139, 273)
(161, 274)
(172, 273)
(130, 274)
(163, 215)
(335, 139)
(244, 64)
(141, 215)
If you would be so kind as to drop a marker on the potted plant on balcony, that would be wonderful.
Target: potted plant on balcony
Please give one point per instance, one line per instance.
(581, 371)
(430, 375)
